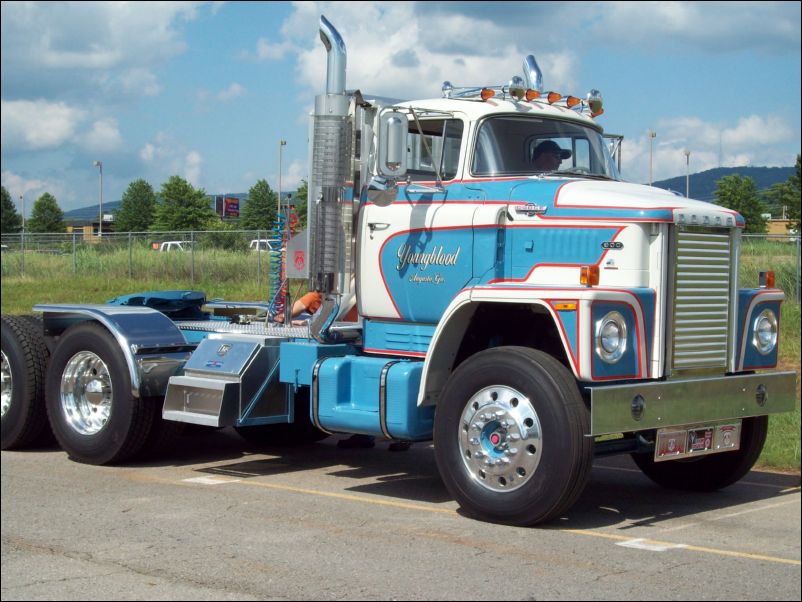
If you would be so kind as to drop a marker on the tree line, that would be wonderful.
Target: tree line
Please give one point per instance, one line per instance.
(180, 206)
(177, 206)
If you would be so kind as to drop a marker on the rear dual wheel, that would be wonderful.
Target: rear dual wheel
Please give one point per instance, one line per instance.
(23, 366)
(93, 412)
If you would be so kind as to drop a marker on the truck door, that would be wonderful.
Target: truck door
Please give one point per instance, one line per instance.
(416, 253)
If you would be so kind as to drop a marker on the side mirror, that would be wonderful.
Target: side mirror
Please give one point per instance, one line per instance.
(392, 144)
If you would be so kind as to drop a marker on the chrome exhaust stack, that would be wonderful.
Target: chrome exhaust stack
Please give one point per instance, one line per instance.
(329, 218)
(532, 74)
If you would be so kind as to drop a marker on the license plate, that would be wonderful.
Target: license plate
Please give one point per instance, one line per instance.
(676, 443)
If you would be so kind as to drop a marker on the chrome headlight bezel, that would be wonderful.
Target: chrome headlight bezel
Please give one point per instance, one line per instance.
(765, 344)
(611, 337)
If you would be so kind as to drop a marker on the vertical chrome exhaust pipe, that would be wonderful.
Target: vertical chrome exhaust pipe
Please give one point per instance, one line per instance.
(330, 166)
(532, 74)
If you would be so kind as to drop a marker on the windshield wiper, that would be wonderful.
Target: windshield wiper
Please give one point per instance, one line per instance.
(580, 173)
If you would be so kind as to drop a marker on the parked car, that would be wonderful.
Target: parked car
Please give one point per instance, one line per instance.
(264, 244)
(173, 245)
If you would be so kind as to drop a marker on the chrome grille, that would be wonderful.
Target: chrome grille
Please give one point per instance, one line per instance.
(702, 290)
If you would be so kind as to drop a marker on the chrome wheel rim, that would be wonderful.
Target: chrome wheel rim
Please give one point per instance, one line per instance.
(500, 438)
(86, 393)
(7, 385)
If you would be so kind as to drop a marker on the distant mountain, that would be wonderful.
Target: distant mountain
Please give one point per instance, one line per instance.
(90, 214)
(703, 184)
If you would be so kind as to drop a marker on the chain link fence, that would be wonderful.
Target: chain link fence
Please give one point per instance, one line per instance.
(224, 256)
(191, 257)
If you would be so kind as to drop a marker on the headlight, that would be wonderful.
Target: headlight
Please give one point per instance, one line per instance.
(611, 337)
(765, 338)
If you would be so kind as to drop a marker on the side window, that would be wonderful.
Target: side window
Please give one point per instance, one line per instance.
(582, 153)
(443, 137)
(579, 149)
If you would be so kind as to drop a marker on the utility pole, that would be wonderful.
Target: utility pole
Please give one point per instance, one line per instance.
(687, 173)
(99, 164)
(281, 145)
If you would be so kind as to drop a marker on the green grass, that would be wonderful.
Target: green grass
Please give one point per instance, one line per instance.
(96, 274)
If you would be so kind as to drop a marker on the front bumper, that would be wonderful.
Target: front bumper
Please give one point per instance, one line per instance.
(660, 404)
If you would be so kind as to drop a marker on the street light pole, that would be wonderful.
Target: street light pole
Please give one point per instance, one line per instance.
(687, 173)
(99, 164)
(22, 202)
(281, 145)
(652, 135)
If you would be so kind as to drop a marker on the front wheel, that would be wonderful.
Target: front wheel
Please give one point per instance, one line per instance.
(708, 473)
(510, 436)
(92, 410)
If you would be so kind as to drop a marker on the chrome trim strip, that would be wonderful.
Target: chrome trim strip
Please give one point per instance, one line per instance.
(383, 398)
(315, 394)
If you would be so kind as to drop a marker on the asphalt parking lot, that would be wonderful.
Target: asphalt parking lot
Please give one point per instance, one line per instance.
(214, 522)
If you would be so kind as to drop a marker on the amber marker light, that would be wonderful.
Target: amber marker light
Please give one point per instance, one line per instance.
(487, 93)
(589, 275)
(572, 101)
(553, 97)
(565, 306)
(532, 94)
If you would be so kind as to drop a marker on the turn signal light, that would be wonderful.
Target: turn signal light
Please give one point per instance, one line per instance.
(487, 93)
(589, 275)
(768, 280)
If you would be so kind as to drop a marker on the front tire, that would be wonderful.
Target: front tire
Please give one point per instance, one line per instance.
(709, 473)
(93, 412)
(510, 436)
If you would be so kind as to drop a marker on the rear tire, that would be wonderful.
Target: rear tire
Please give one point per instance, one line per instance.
(709, 473)
(510, 436)
(92, 410)
(24, 367)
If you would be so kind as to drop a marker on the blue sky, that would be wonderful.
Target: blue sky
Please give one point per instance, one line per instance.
(206, 90)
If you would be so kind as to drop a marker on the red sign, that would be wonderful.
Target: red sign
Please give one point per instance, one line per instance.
(299, 260)
(231, 207)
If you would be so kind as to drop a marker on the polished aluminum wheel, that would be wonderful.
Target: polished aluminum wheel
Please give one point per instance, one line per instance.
(500, 438)
(7, 385)
(86, 393)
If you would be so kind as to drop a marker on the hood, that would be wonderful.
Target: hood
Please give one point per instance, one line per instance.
(599, 199)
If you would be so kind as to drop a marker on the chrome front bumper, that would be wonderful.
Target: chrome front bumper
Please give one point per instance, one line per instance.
(661, 404)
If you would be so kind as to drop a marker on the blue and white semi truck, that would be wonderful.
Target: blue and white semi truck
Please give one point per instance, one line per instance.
(524, 319)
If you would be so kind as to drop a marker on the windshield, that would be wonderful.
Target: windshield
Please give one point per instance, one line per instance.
(513, 145)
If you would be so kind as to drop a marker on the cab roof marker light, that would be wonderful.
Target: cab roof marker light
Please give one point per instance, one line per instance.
(532, 94)
(487, 93)
(572, 101)
(553, 97)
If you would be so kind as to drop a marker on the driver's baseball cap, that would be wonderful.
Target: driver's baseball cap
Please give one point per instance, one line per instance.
(549, 146)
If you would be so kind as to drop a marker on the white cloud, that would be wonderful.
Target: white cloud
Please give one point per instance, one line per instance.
(37, 124)
(694, 26)
(753, 140)
(267, 51)
(17, 184)
(103, 136)
(233, 91)
(192, 167)
(394, 51)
